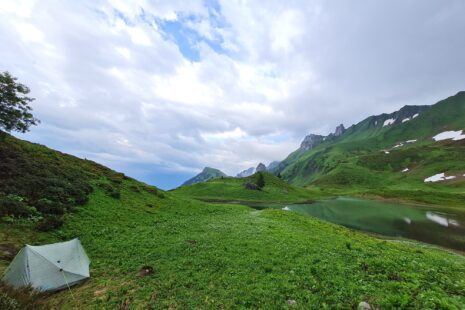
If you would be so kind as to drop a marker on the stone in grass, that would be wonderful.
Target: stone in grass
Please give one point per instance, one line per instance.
(145, 271)
(364, 306)
(291, 302)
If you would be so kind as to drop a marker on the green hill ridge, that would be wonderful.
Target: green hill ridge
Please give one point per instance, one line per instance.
(235, 189)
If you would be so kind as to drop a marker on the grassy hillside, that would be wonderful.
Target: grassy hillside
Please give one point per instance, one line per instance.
(210, 256)
(371, 158)
(235, 189)
(222, 256)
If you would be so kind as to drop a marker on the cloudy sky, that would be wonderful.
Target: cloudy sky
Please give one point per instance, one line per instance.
(160, 89)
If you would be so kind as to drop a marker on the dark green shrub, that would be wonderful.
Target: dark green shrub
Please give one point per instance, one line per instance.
(251, 186)
(13, 205)
(115, 194)
(260, 181)
(47, 206)
(151, 190)
(50, 223)
(135, 188)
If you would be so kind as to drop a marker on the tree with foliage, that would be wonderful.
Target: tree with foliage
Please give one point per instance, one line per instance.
(15, 112)
(260, 180)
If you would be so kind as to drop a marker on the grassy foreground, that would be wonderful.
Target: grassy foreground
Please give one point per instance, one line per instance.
(209, 256)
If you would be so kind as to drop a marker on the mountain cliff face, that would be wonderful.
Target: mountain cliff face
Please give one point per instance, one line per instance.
(260, 168)
(339, 130)
(273, 165)
(310, 142)
(206, 174)
(246, 173)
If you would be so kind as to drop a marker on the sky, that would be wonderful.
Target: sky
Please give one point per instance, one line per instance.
(160, 89)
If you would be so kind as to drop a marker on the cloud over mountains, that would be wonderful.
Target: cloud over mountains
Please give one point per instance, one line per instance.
(160, 89)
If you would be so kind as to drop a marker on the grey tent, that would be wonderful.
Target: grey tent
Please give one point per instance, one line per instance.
(49, 267)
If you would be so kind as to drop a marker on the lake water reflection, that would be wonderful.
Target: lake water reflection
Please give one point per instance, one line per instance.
(426, 224)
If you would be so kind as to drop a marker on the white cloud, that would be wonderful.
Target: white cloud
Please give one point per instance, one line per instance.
(28, 32)
(138, 36)
(235, 134)
(112, 84)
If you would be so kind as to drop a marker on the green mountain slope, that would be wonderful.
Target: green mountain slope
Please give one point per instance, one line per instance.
(371, 156)
(210, 256)
(206, 174)
(235, 189)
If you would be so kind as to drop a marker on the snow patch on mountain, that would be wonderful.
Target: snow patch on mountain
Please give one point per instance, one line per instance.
(436, 178)
(440, 177)
(389, 122)
(446, 135)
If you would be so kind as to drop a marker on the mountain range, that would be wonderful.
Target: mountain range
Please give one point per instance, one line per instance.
(382, 151)
(375, 151)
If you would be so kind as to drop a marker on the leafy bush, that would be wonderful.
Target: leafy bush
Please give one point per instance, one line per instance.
(14, 205)
(36, 181)
(109, 189)
(50, 223)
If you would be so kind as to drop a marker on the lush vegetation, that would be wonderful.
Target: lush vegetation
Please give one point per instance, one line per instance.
(261, 186)
(41, 185)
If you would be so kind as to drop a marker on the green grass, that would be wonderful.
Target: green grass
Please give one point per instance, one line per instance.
(233, 189)
(210, 256)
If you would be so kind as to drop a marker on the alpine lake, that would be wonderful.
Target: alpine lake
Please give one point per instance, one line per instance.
(432, 225)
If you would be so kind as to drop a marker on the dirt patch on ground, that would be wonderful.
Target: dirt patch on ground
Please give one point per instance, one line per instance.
(146, 271)
(8, 251)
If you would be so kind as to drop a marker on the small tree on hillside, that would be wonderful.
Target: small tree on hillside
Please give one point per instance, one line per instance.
(260, 180)
(15, 112)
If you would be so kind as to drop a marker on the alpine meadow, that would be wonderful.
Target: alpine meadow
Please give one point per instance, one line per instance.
(232, 155)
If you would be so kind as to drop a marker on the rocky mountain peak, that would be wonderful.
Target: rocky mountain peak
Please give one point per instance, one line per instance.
(246, 173)
(339, 130)
(206, 174)
(260, 168)
(311, 141)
